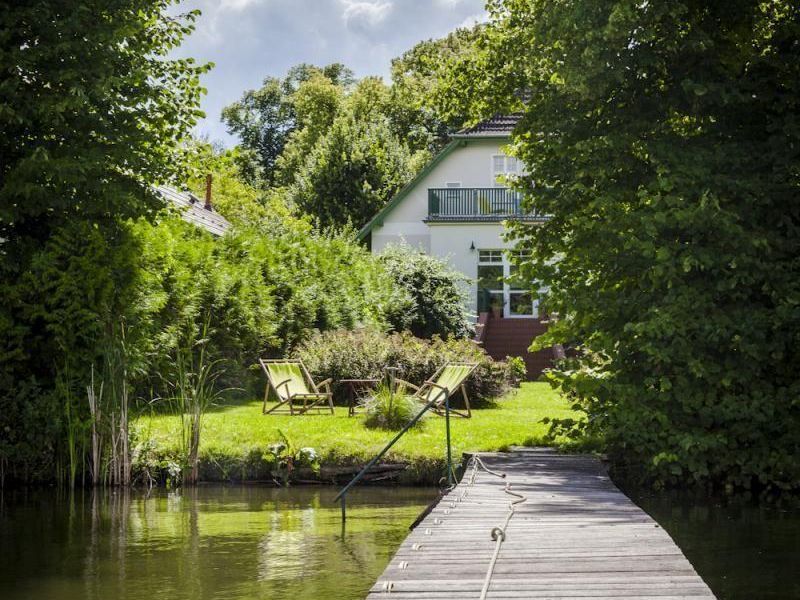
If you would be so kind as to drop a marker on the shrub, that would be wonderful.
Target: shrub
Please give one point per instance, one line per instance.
(265, 289)
(436, 290)
(367, 352)
(387, 410)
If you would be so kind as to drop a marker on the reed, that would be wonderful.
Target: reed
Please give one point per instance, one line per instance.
(108, 397)
(194, 390)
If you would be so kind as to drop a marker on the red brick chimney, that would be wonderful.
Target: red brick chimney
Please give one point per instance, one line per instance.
(208, 205)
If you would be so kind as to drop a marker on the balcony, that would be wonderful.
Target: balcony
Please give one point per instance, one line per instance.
(453, 205)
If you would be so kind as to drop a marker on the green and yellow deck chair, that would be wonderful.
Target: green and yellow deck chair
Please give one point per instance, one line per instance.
(444, 383)
(292, 384)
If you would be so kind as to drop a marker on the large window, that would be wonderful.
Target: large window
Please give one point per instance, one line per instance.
(500, 290)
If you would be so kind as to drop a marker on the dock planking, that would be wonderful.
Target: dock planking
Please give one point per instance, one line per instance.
(576, 536)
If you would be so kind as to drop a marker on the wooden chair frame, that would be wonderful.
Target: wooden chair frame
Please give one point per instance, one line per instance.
(310, 401)
(423, 392)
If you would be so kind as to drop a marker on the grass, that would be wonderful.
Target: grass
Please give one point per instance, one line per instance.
(234, 434)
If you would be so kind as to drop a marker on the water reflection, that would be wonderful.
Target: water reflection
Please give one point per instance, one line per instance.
(210, 542)
(255, 542)
(744, 548)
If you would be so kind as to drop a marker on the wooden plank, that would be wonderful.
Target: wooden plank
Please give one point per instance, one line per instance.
(576, 536)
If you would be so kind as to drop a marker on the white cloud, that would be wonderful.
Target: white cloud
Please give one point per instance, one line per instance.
(473, 20)
(236, 4)
(363, 13)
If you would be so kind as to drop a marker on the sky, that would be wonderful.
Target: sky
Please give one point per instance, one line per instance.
(248, 40)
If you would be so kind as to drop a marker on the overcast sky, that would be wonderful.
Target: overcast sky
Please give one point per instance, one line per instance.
(248, 40)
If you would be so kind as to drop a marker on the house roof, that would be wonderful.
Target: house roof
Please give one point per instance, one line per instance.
(496, 126)
(193, 210)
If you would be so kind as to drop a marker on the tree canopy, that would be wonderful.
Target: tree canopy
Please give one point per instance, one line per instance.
(264, 118)
(663, 139)
(337, 148)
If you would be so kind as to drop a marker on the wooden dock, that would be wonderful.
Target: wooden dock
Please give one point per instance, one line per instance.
(575, 536)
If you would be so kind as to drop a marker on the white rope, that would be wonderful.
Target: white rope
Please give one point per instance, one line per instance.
(499, 533)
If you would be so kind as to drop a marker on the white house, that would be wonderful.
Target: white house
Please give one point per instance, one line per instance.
(456, 209)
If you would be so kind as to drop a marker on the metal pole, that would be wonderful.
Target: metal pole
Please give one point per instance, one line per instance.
(371, 463)
(449, 452)
(344, 510)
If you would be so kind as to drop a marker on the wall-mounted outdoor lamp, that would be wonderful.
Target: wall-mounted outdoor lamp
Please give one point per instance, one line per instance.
(472, 247)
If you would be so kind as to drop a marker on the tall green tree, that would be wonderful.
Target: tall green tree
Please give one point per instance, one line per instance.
(264, 118)
(355, 167)
(664, 140)
(93, 112)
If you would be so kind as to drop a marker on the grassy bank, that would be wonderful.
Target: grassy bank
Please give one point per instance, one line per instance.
(235, 437)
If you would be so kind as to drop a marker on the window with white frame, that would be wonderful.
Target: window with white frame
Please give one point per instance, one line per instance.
(491, 273)
(490, 256)
(500, 287)
(504, 166)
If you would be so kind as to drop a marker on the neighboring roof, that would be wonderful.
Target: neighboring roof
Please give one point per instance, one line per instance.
(496, 126)
(193, 210)
(404, 191)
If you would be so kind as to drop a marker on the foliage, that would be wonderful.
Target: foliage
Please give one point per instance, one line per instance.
(364, 354)
(265, 290)
(415, 79)
(260, 290)
(517, 368)
(93, 112)
(235, 435)
(390, 409)
(662, 138)
(346, 172)
(287, 457)
(108, 395)
(264, 118)
(438, 293)
(193, 390)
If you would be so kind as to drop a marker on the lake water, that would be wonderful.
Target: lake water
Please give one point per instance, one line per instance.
(745, 549)
(211, 542)
(265, 543)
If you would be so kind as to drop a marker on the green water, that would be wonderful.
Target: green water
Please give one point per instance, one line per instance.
(258, 542)
(744, 549)
(212, 542)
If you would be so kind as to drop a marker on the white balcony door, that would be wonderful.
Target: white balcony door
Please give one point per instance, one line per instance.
(497, 287)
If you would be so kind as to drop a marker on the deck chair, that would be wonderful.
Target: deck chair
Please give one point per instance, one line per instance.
(444, 383)
(292, 384)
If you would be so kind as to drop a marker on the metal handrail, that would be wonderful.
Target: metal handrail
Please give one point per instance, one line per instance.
(496, 203)
(342, 495)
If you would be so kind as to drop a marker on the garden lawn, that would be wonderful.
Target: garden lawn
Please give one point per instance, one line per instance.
(233, 433)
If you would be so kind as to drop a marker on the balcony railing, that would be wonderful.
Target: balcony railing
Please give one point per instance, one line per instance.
(477, 204)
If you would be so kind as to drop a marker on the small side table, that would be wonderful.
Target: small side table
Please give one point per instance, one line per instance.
(357, 389)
